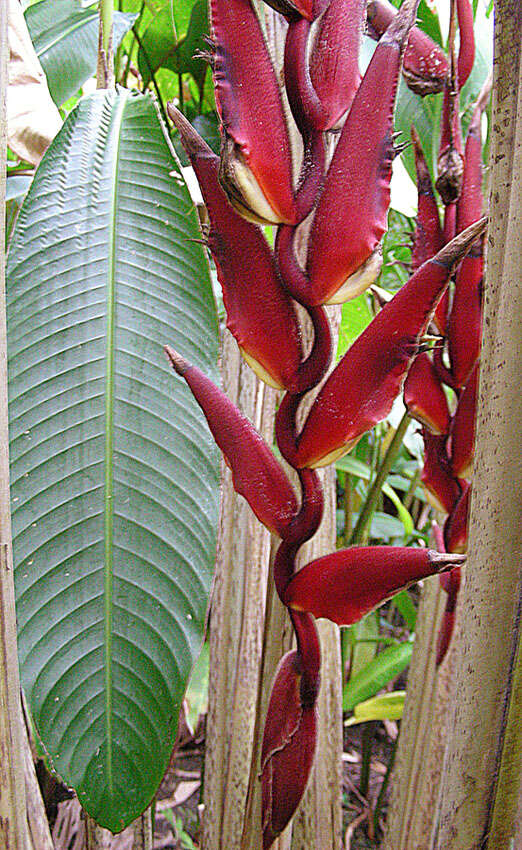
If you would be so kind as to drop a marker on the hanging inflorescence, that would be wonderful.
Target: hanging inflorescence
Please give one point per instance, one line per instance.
(345, 204)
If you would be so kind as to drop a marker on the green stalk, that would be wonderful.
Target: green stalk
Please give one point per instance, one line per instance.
(360, 532)
(348, 509)
(105, 70)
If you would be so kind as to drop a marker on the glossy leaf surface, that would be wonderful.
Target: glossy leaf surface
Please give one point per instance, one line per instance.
(114, 478)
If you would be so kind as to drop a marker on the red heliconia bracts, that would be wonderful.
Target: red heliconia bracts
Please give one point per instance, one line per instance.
(465, 319)
(428, 237)
(260, 312)
(343, 256)
(258, 182)
(361, 389)
(288, 746)
(334, 65)
(462, 432)
(425, 66)
(334, 257)
(347, 584)
(456, 525)
(256, 473)
(424, 395)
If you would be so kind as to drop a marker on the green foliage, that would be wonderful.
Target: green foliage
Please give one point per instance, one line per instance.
(381, 670)
(114, 475)
(65, 36)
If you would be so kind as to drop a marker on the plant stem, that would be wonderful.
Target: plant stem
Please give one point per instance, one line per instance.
(125, 74)
(105, 69)
(181, 98)
(366, 741)
(384, 786)
(347, 508)
(360, 532)
(410, 495)
(154, 83)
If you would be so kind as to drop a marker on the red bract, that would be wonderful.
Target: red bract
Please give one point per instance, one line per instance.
(255, 472)
(334, 65)
(424, 396)
(288, 748)
(260, 312)
(258, 181)
(291, 9)
(440, 316)
(428, 237)
(347, 584)
(361, 389)
(467, 40)
(442, 488)
(462, 431)
(465, 320)
(446, 630)
(456, 525)
(425, 64)
(343, 257)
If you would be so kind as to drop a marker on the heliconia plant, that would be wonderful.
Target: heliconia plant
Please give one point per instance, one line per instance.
(253, 181)
(449, 435)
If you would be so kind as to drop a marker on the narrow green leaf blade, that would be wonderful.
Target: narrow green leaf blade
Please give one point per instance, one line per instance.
(114, 473)
(383, 707)
(376, 674)
(65, 36)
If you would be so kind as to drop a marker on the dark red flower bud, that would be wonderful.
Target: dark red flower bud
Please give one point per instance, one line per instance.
(442, 488)
(256, 161)
(255, 472)
(347, 584)
(428, 237)
(456, 525)
(425, 64)
(288, 748)
(343, 257)
(424, 396)
(260, 312)
(462, 430)
(361, 389)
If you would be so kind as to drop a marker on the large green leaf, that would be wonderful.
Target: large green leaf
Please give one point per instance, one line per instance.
(160, 49)
(376, 675)
(65, 36)
(114, 474)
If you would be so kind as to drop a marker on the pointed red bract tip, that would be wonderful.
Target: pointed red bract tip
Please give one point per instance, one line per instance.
(258, 183)
(256, 473)
(442, 488)
(462, 431)
(260, 312)
(425, 65)
(178, 363)
(334, 65)
(456, 525)
(347, 584)
(361, 389)
(424, 396)
(345, 235)
(288, 749)
(428, 238)
(467, 41)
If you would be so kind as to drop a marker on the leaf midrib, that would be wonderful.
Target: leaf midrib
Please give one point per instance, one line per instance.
(78, 24)
(108, 508)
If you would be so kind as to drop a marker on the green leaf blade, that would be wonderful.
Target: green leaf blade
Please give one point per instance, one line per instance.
(114, 473)
(65, 36)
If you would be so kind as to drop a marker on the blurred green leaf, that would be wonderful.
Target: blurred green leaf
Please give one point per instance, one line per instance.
(65, 36)
(197, 690)
(161, 49)
(355, 317)
(406, 608)
(381, 670)
(383, 707)
(362, 470)
(363, 653)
